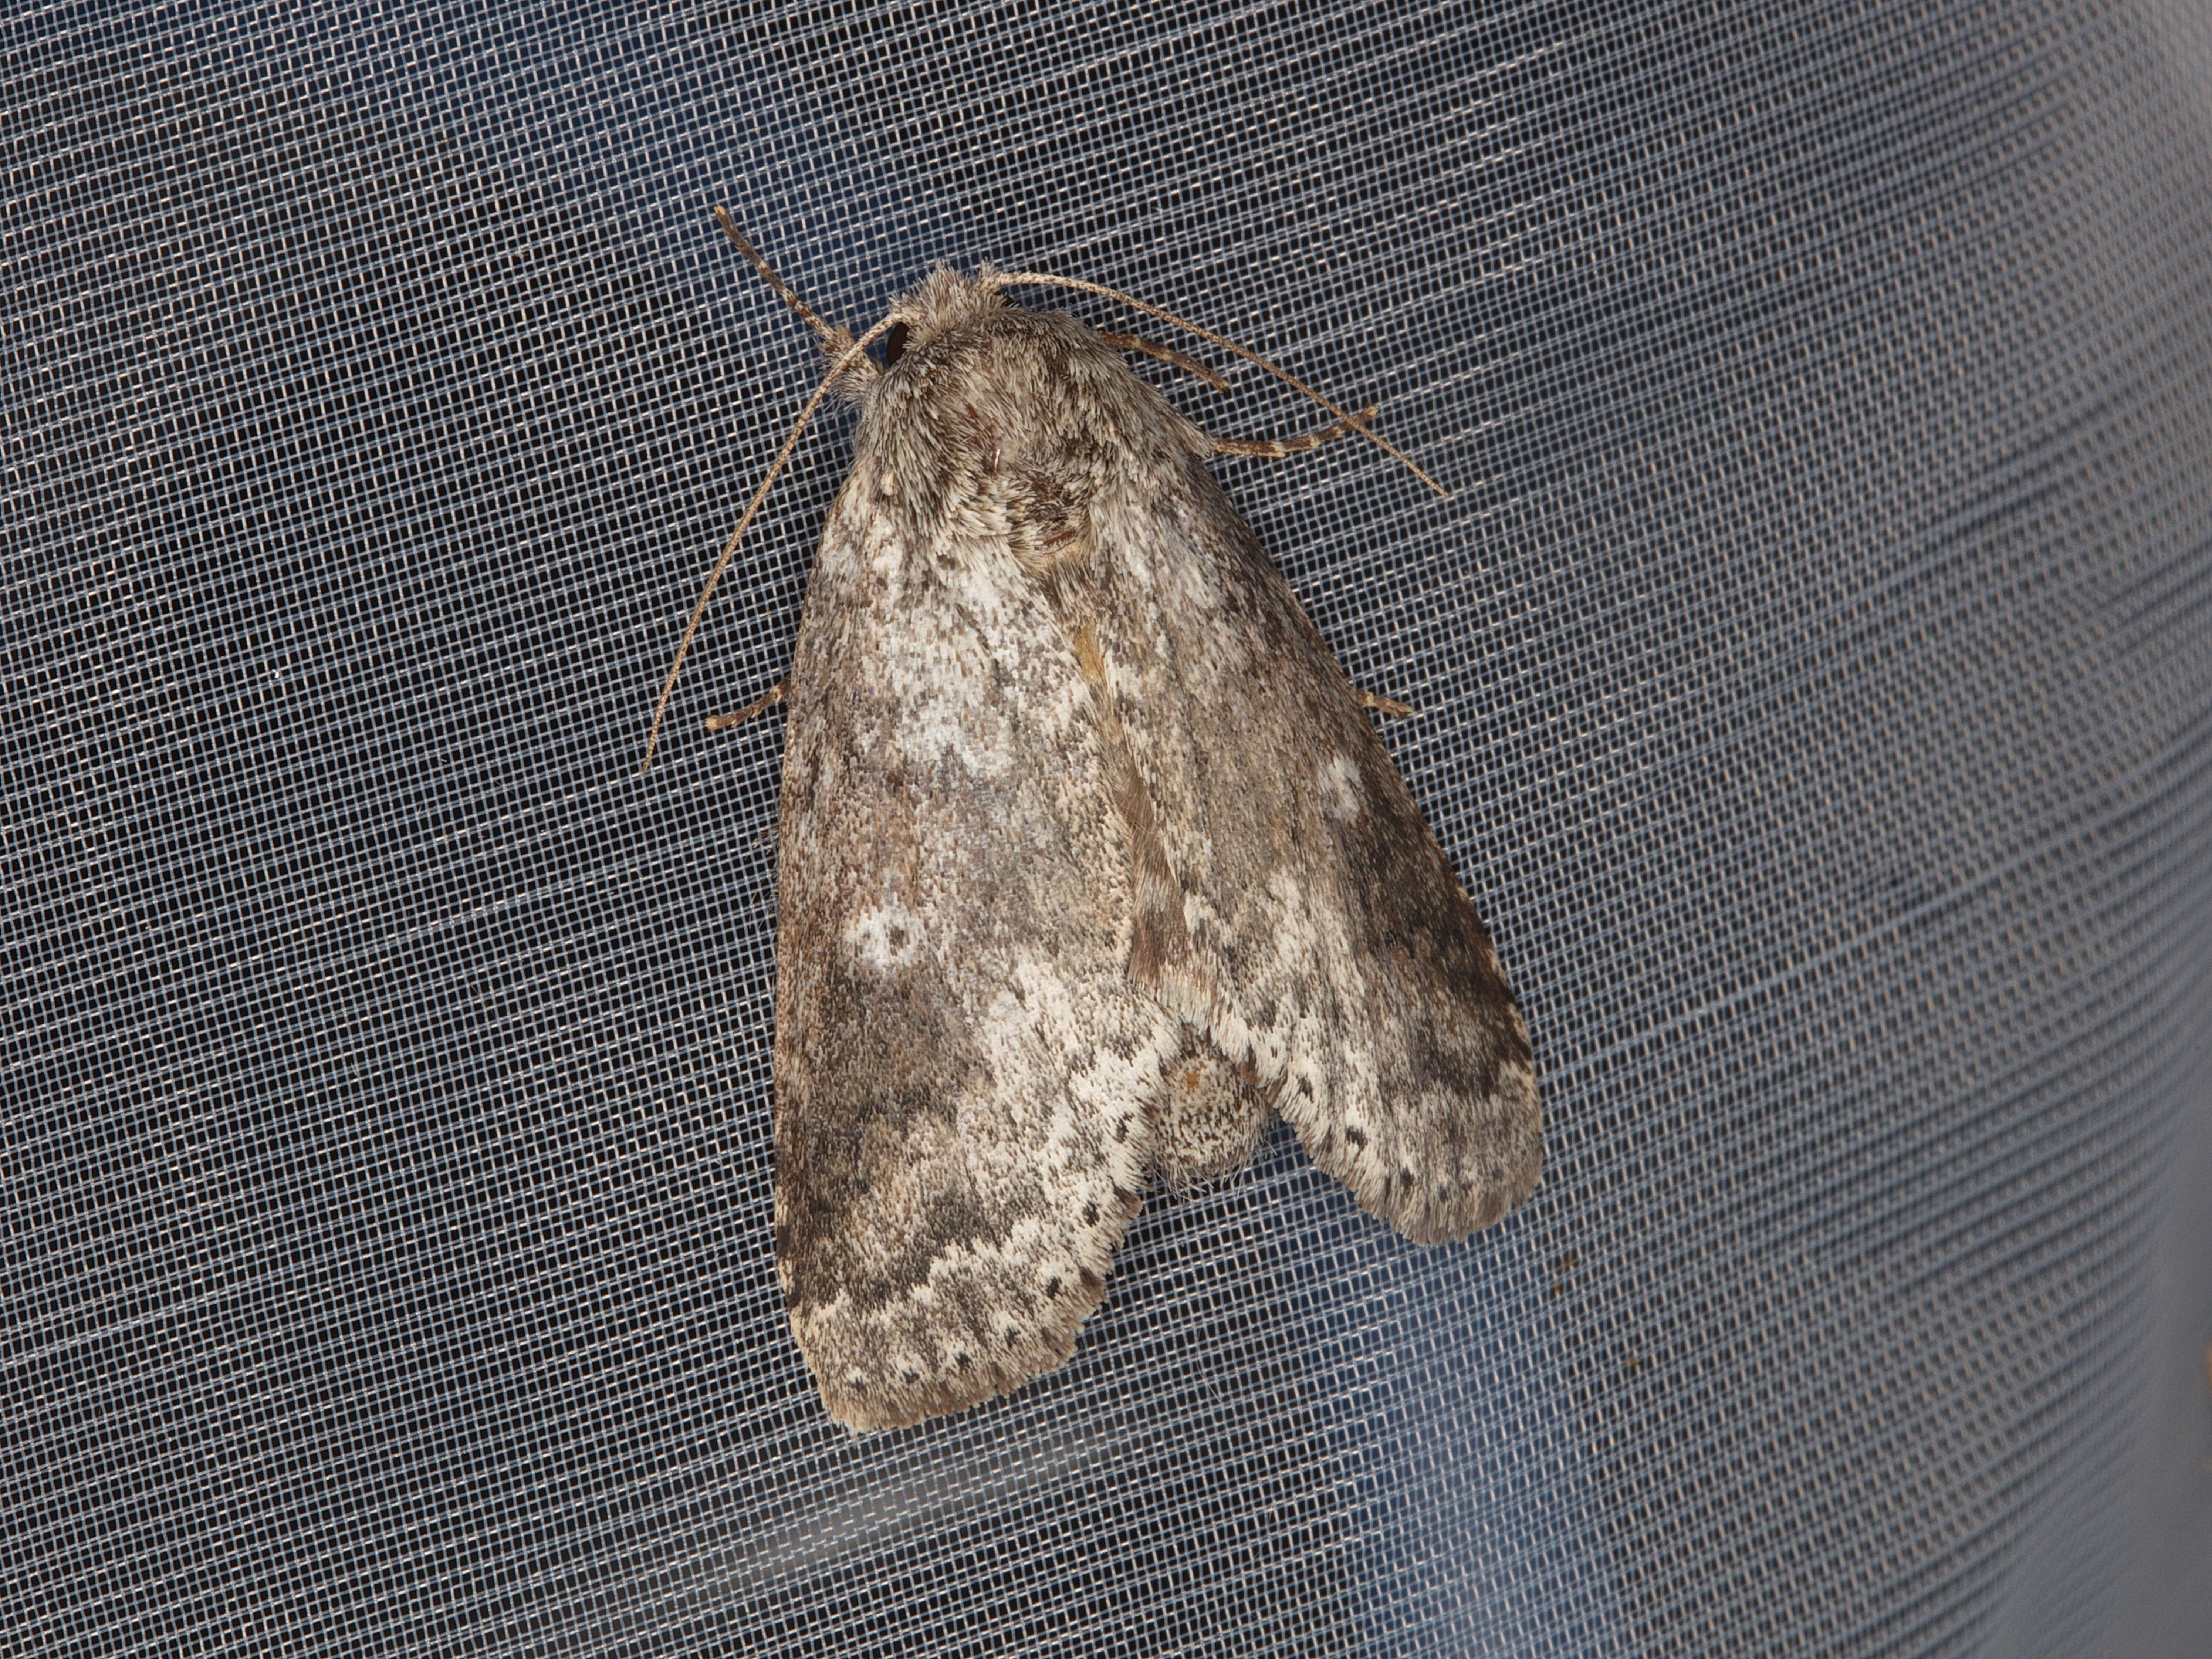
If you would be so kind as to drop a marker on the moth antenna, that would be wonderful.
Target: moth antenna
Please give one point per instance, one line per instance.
(999, 279)
(844, 361)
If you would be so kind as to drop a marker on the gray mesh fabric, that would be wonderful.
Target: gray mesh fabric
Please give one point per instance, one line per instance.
(1813, 668)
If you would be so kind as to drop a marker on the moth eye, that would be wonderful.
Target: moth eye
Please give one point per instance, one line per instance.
(895, 345)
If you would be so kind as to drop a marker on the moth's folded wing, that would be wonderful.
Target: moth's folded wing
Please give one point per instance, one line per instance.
(962, 1068)
(1327, 932)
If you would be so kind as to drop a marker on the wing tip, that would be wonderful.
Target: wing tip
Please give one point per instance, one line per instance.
(886, 1369)
(1442, 1173)
(1444, 1213)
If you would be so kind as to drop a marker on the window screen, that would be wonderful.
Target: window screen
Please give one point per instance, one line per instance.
(1813, 677)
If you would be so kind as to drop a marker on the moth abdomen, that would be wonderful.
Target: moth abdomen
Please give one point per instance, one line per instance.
(1211, 1115)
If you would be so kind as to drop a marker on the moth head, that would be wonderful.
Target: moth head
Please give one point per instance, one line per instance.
(945, 302)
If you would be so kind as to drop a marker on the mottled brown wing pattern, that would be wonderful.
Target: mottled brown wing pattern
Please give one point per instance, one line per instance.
(1332, 945)
(964, 1073)
(1089, 859)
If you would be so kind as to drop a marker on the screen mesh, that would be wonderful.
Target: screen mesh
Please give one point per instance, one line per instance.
(1814, 677)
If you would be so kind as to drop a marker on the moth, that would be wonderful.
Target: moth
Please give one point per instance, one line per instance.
(1091, 862)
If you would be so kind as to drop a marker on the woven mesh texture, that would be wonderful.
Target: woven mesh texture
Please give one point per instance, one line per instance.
(1813, 669)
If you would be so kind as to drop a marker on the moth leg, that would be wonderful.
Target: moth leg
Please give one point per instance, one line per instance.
(1381, 704)
(1166, 355)
(1281, 446)
(751, 711)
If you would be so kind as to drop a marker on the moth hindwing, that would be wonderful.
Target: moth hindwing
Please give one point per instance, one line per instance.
(1091, 862)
